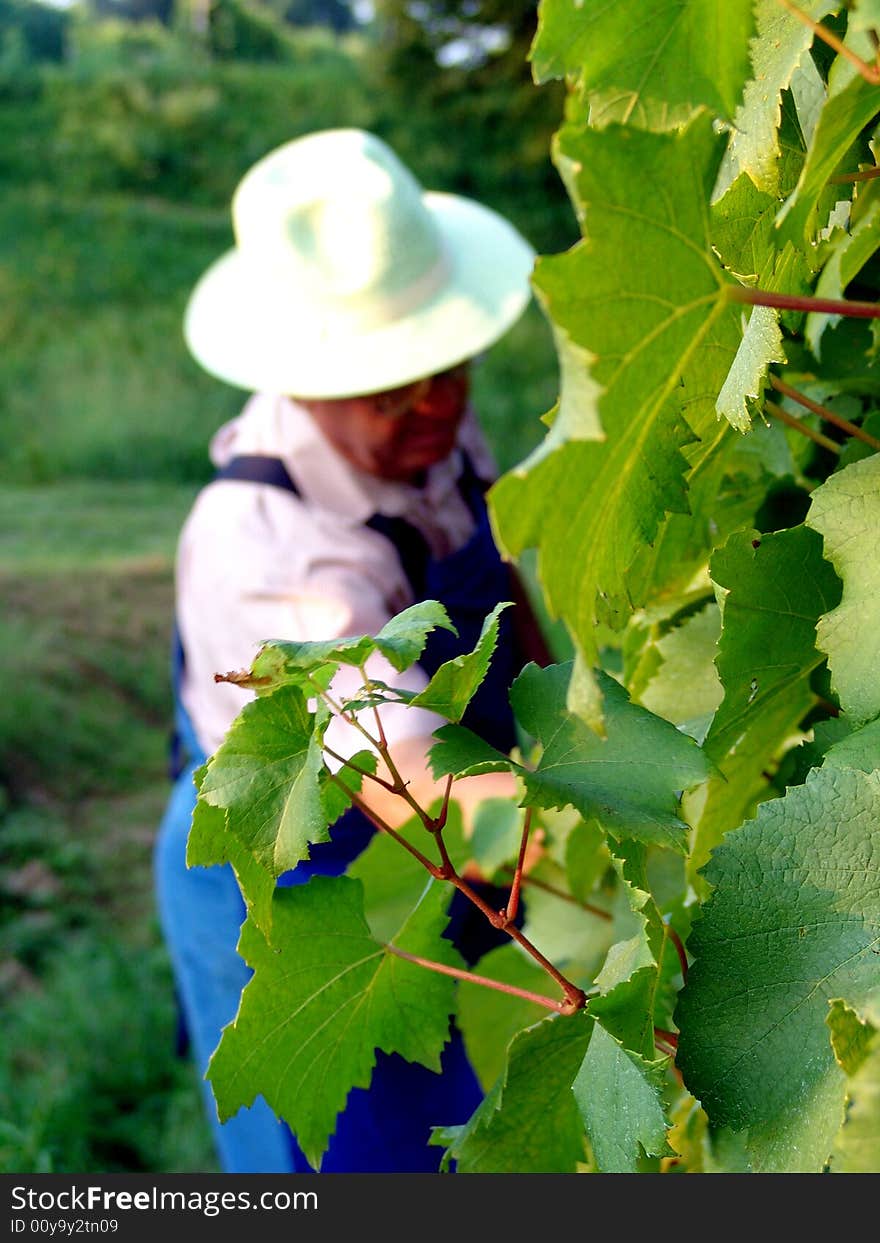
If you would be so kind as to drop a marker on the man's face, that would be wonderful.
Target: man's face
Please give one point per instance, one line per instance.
(399, 433)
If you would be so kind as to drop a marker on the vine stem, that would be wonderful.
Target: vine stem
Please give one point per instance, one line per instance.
(679, 949)
(380, 824)
(355, 768)
(513, 900)
(566, 897)
(795, 302)
(870, 73)
(558, 1006)
(844, 424)
(575, 998)
(790, 421)
(844, 179)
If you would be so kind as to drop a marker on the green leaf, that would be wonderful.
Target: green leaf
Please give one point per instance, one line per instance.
(780, 45)
(791, 925)
(618, 1094)
(211, 842)
(496, 835)
(843, 117)
(851, 1035)
(845, 510)
(857, 1147)
(323, 998)
(630, 781)
(860, 749)
(456, 682)
(393, 879)
(849, 253)
(266, 774)
(336, 798)
(489, 1019)
(643, 295)
(774, 589)
(761, 345)
(864, 15)
(630, 977)
(673, 52)
(401, 641)
(686, 688)
(461, 753)
(529, 1122)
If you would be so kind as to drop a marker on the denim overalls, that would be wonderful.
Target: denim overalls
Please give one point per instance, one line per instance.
(384, 1128)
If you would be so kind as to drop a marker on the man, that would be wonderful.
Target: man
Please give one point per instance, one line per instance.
(350, 487)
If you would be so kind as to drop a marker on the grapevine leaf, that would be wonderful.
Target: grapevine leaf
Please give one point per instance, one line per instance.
(857, 1147)
(336, 794)
(461, 753)
(800, 1140)
(211, 842)
(630, 976)
(843, 117)
(791, 924)
(845, 510)
(456, 682)
(780, 44)
(614, 48)
(644, 296)
(496, 835)
(393, 879)
(851, 1035)
(865, 15)
(686, 688)
(630, 781)
(528, 1123)
(489, 1019)
(850, 252)
(860, 749)
(323, 998)
(775, 588)
(266, 774)
(618, 1094)
(761, 345)
(401, 641)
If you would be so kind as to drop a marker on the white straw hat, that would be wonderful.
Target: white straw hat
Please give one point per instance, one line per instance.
(348, 278)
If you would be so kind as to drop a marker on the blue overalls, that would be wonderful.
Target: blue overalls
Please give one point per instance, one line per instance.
(384, 1128)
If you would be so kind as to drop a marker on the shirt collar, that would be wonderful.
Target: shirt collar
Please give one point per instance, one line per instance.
(278, 427)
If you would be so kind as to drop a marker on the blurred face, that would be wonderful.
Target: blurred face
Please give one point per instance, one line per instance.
(399, 433)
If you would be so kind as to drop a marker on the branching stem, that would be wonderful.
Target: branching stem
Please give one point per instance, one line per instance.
(845, 179)
(829, 416)
(355, 768)
(790, 421)
(795, 302)
(566, 897)
(513, 901)
(679, 949)
(380, 824)
(869, 72)
(558, 1006)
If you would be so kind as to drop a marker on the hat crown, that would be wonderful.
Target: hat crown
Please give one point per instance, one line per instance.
(338, 215)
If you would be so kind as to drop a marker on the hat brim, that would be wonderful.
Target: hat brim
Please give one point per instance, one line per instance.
(264, 337)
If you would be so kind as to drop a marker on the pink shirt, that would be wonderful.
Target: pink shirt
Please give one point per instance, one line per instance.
(256, 563)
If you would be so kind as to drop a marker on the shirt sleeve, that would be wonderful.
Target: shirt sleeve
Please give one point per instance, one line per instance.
(256, 564)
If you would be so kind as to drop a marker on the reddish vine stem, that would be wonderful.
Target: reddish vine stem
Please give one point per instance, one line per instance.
(472, 978)
(795, 302)
(362, 772)
(513, 900)
(443, 814)
(851, 429)
(575, 998)
(869, 72)
(386, 828)
(667, 1041)
(566, 897)
(679, 949)
(790, 421)
(845, 179)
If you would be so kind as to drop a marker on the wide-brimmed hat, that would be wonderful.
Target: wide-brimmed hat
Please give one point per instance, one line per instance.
(347, 277)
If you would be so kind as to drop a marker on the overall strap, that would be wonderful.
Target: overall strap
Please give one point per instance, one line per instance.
(258, 468)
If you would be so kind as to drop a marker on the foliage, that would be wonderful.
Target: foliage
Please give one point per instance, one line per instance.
(698, 495)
